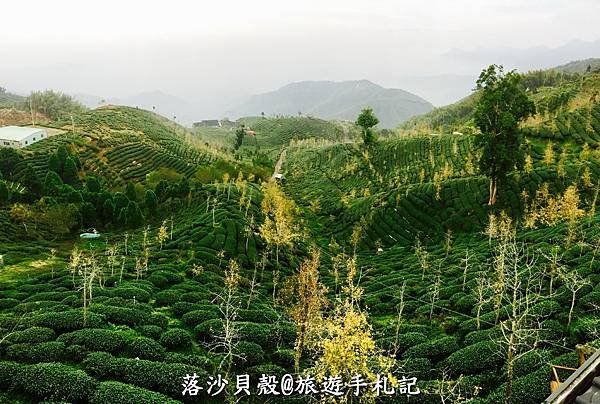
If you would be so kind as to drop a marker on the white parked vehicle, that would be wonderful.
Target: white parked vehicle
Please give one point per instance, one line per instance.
(90, 233)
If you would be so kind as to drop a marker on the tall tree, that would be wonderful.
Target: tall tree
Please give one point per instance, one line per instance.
(150, 202)
(280, 227)
(9, 158)
(4, 194)
(130, 192)
(70, 175)
(502, 105)
(367, 120)
(239, 137)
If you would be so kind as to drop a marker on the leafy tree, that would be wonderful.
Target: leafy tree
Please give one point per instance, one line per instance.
(9, 158)
(502, 105)
(62, 154)
(92, 184)
(53, 104)
(52, 183)
(54, 163)
(183, 188)
(29, 179)
(70, 175)
(309, 302)
(130, 191)
(4, 194)
(162, 190)
(134, 217)
(280, 227)
(367, 120)
(120, 201)
(108, 210)
(150, 202)
(88, 214)
(72, 195)
(239, 137)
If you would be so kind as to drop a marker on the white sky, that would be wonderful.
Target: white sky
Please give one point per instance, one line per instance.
(215, 48)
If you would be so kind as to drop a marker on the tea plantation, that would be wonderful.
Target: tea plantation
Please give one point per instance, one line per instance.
(374, 258)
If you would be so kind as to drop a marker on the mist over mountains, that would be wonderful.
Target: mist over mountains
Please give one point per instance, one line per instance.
(336, 100)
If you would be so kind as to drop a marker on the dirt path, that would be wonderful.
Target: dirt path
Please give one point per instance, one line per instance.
(279, 162)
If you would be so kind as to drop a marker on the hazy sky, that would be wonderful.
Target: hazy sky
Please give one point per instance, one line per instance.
(210, 50)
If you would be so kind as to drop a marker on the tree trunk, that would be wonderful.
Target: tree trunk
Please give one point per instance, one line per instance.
(493, 191)
(509, 371)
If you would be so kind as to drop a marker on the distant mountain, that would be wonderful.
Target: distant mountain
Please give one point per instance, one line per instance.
(336, 100)
(538, 57)
(580, 66)
(166, 105)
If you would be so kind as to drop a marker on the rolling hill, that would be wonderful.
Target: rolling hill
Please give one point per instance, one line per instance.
(336, 100)
(413, 262)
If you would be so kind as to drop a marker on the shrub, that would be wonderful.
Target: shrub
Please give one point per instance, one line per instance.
(194, 360)
(531, 362)
(258, 333)
(101, 365)
(42, 305)
(480, 335)
(193, 318)
(121, 393)
(150, 331)
(52, 351)
(475, 358)
(282, 333)
(66, 321)
(417, 367)
(410, 339)
(146, 348)
(267, 369)
(180, 308)
(176, 338)
(129, 292)
(54, 381)
(530, 389)
(258, 316)
(434, 350)
(8, 370)
(167, 297)
(193, 297)
(96, 339)
(33, 335)
(158, 280)
(208, 330)
(284, 358)
(248, 354)
(8, 303)
(546, 308)
(131, 317)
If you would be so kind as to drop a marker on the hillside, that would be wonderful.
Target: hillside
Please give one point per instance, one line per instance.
(336, 100)
(121, 144)
(381, 257)
(8, 99)
(555, 91)
(580, 66)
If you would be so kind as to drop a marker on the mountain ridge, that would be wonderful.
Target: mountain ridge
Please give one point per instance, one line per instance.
(336, 100)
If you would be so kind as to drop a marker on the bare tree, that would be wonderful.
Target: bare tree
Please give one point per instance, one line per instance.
(574, 282)
(466, 264)
(521, 324)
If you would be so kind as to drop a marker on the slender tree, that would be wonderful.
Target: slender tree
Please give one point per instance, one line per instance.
(502, 105)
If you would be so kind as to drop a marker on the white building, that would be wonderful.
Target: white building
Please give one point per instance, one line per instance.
(17, 136)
